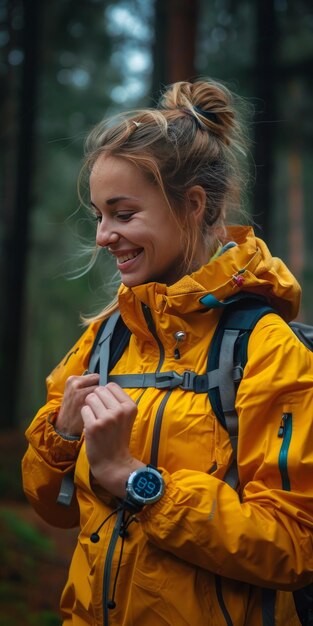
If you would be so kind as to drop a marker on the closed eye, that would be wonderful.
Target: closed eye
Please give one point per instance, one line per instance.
(124, 217)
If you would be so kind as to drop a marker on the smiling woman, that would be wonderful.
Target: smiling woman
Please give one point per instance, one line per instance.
(170, 533)
(189, 159)
(131, 212)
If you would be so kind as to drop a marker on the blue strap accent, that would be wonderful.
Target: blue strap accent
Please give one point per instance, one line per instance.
(211, 302)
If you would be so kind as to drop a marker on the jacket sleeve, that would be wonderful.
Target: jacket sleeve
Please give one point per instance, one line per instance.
(49, 456)
(263, 536)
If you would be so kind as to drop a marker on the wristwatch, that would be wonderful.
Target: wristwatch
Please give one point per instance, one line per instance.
(144, 486)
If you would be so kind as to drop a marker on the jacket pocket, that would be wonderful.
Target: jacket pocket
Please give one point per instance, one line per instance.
(285, 433)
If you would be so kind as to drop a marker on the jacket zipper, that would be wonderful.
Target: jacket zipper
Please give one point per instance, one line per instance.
(160, 411)
(154, 456)
(108, 567)
(285, 432)
(157, 430)
(150, 323)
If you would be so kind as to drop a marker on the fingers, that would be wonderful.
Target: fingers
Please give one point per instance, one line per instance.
(78, 387)
(115, 391)
(82, 382)
(110, 400)
(87, 416)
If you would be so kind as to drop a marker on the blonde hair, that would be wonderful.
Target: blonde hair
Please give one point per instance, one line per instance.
(193, 137)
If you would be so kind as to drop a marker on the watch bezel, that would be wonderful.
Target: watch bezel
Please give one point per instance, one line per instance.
(140, 500)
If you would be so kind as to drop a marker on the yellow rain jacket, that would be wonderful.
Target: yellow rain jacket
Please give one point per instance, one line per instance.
(202, 555)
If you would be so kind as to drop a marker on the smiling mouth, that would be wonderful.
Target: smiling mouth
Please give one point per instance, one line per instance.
(128, 257)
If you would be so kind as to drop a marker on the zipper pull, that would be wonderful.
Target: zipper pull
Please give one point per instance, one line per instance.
(281, 430)
(180, 335)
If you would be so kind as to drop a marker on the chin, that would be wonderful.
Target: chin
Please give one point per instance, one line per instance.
(132, 282)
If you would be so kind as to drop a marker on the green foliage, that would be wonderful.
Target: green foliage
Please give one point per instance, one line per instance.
(44, 618)
(21, 533)
(23, 551)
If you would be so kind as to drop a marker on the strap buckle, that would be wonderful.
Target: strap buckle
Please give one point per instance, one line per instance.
(167, 380)
(188, 380)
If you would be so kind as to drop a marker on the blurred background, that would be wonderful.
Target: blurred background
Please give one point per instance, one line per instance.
(65, 65)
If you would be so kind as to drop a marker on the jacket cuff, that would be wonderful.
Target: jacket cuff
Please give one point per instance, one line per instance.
(64, 435)
(59, 448)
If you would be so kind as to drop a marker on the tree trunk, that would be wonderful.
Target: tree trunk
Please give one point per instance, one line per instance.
(264, 90)
(16, 226)
(175, 42)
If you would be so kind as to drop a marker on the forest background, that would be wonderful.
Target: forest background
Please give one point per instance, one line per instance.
(65, 65)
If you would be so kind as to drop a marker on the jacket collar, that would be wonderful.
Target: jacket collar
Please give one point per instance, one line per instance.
(247, 266)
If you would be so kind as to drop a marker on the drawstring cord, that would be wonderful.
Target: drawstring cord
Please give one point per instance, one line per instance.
(94, 537)
(120, 530)
(123, 534)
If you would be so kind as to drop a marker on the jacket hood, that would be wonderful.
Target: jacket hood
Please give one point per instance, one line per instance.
(247, 265)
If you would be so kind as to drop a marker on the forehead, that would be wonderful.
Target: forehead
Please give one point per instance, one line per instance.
(115, 176)
(115, 169)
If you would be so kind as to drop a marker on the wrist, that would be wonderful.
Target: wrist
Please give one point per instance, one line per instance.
(113, 477)
(63, 427)
(62, 432)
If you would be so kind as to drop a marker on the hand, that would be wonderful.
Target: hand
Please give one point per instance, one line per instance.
(108, 415)
(69, 420)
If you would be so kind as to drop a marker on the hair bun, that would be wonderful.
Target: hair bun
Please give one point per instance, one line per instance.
(211, 103)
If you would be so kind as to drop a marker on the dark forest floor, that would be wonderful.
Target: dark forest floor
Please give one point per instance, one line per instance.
(34, 556)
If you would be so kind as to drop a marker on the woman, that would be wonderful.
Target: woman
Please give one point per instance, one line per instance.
(174, 544)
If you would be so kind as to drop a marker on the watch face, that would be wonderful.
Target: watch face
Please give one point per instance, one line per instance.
(146, 485)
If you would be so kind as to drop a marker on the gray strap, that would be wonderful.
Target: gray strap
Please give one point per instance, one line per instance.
(227, 390)
(227, 377)
(102, 350)
(159, 380)
(104, 343)
(215, 380)
(231, 475)
(188, 380)
(66, 490)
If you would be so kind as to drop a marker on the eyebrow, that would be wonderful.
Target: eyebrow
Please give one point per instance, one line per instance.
(114, 200)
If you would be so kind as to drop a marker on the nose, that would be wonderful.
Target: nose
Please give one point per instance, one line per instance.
(106, 236)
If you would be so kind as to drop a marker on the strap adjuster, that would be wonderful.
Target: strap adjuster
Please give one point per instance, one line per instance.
(167, 380)
(188, 380)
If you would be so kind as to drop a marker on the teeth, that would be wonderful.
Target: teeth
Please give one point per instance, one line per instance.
(127, 257)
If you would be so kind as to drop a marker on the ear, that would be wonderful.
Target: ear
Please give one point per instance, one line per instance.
(196, 198)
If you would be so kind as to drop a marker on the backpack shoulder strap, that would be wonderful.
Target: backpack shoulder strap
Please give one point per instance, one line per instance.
(226, 361)
(109, 345)
(304, 332)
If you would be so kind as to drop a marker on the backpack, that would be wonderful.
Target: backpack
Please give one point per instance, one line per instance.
(227, 358)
